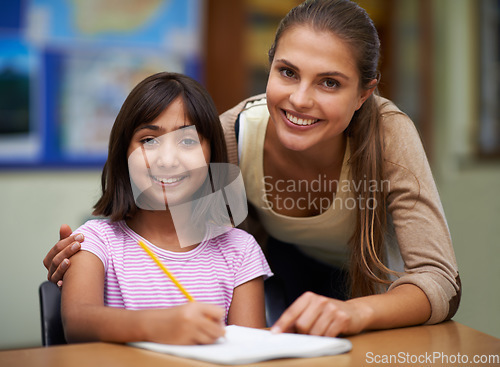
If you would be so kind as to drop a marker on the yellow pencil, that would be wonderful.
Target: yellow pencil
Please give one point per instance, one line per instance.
(165, 270)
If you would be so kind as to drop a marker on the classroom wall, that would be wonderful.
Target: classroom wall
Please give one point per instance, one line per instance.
(468, 186)
(33, 206)
(35, 203)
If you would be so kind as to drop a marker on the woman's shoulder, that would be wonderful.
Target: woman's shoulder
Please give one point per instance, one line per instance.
(392, 118)
(230, 116)
(399, 133)
(405, 159)
(229, 125)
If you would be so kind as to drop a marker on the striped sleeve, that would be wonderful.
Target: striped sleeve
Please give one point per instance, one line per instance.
(253, 263)
(95, 240)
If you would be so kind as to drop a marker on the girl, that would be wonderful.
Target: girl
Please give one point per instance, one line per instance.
(338, 180)
(167, 131)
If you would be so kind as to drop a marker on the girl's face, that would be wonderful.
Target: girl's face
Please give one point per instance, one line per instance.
(313, 88)
(168, 161)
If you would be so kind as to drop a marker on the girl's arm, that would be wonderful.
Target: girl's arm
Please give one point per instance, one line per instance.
(86, 318)
(247, 307)
(317, 315)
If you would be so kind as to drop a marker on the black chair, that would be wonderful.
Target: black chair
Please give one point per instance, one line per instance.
(275, 299)
(50, 314)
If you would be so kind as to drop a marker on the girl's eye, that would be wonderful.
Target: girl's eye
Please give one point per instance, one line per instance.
(331, 83)
(149, 142)
(188, 142)
(287, 73)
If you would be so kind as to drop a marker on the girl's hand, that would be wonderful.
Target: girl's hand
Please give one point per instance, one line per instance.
(318, 315)
(192, 323)
(56, 261)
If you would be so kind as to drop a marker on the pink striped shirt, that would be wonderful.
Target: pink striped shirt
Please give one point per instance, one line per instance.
(210, 272)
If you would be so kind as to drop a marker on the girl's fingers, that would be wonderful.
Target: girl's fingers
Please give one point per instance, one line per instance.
(211, 331)
(213, 312)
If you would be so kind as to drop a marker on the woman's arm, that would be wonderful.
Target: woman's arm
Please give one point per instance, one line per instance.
(317, 315)
(86, 318)
(418, 221)
(247, 307)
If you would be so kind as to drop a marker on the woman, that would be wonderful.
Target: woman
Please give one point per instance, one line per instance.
(338, 179)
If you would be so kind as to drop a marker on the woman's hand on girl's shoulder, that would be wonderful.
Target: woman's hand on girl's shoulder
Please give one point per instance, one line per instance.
(57, 259)
(191, 323)
(318, 315)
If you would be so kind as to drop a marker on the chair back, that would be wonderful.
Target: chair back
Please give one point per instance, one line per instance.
(50, 314)
(275, 299)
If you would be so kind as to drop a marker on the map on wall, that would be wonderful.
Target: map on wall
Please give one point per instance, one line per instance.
(172, 25)
(80, 59)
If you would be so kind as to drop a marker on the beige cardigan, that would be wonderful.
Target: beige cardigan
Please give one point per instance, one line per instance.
(418, 223)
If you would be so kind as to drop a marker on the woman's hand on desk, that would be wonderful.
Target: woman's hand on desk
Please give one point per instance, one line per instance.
(401, 306)
(318, 315)
(57, 259)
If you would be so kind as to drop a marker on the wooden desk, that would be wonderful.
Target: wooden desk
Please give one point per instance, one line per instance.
(448, 340)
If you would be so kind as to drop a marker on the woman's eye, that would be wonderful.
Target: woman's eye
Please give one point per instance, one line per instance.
(331, 83)
(287, 73)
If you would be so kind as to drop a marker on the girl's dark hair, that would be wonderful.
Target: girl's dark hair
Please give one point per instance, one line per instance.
(142, 106)
(348, 21)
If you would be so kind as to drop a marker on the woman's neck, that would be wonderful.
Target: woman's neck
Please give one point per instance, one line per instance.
(158, 228)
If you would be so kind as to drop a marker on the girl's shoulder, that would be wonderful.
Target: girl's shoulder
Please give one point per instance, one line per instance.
(101, 228)
(236, 234)
(98, 224)
(236, 240)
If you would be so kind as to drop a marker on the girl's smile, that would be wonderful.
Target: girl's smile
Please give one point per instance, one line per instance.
(168, 181)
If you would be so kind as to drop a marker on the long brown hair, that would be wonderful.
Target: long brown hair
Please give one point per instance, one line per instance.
(143, 105)
(352, 24)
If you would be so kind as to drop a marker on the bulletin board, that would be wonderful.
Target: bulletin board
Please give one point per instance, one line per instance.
(66, 67)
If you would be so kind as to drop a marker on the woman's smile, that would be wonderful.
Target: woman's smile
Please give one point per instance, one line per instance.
(299, 119)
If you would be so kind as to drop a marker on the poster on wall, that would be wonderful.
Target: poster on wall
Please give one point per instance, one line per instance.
(66, 67)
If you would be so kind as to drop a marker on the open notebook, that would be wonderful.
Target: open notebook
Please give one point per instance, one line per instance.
(243, 345)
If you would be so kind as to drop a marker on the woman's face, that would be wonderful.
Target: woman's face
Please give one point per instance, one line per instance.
(167, 159)
(313, 88)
